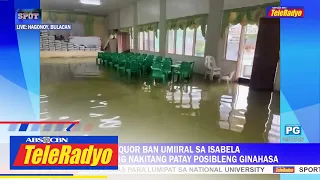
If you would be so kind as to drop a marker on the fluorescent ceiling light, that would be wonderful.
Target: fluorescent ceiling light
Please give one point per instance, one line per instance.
(91, 2)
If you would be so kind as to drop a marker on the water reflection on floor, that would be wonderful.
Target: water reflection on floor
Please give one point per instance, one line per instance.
(139, 111)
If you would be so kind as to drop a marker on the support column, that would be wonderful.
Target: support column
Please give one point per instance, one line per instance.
(135, 26)
(266, 55)
(213, 28)
(163, 28)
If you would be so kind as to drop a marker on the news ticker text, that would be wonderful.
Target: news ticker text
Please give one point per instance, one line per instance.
(224, 169)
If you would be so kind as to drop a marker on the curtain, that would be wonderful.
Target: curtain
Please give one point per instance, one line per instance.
(123, 40)
(189, 22)
(149, 27)
(244, 16)
(119, 40)
(126, 41)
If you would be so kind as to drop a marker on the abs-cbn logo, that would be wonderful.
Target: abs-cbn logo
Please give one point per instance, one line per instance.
(46, 140)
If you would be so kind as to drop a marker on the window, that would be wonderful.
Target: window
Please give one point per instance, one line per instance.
(179, 41)
(146, 43)
(171, 44)
(188, 42)
(151, 40)
(141, 41)
(156, 41)
(233, 42)
(200, 43)
(131, 38)
(188, 49)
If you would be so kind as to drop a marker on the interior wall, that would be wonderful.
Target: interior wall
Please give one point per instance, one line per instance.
(232, 4)
(183, 8)
(114, 20)
(99, 29)
(149, 11)
(126, 17)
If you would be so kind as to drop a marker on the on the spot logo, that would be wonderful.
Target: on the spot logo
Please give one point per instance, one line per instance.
(283, 169)
(285, 12)
(63, 152)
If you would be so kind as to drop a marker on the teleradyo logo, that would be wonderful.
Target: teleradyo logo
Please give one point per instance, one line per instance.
(46, 140)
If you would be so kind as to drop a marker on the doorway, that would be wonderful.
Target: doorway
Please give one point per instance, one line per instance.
(241, 46)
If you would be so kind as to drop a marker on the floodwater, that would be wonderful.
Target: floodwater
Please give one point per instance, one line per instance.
(138, 110)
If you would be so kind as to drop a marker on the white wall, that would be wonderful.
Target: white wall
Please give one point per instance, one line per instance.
(231, 4)
(114, 20)
(148, 11)
(183, 8)
(126, 17)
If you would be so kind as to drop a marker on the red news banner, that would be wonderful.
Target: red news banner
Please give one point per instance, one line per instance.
(63, 152)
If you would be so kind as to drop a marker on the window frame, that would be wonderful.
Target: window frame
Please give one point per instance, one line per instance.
(141, 48)
(241, 42)
(154, 43)
(148, 41)
(144, 41)
(157, 37)
(183, 43)
(131, 31)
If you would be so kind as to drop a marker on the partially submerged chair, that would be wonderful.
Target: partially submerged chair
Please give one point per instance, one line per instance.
(227, 78)
(134, 68)
(157, 72)
(211, 67)
(184, 71)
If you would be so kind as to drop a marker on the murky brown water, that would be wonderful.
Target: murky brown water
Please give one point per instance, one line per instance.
(136, 110)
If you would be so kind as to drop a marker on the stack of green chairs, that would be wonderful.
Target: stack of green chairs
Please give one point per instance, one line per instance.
(112, 61)
(121, 63)
(157, 72)
(166, 67)
(147, 64)
(184, 71)
(134, 68)
(123, 69)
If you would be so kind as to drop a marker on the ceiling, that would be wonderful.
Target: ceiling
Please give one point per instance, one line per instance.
(106, 6)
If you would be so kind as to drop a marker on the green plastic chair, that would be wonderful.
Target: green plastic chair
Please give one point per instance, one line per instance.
(146, 65)
(121, 63)
(166, 67)
(134, 68)
(184, 71)
(104, 59)
(169, 59)
(122, 69)
(115, 61)
(159, 59)
(157, 72)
